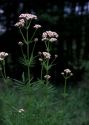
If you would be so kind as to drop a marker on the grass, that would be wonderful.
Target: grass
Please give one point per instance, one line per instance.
(44, 105)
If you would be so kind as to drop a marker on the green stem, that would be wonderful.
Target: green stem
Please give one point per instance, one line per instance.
(33, 49)
(4, 70)
(41, 71)
(23, 37)
(32, 36)
(23, 54)
(2, 74)
(65, 86)
(28, 69)
(28, 25)
(46, 45)
(47, 71)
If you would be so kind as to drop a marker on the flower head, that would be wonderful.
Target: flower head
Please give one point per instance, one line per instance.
(67, 73)
(40, 59)
(47, 77)
(20, 43)
(21, 110)
(37, 26)
(3, 55)
(53, 39)
(35, 39)
(21, 23)
(46, 55)
(56, 55)
(49, 35)
(27, 16)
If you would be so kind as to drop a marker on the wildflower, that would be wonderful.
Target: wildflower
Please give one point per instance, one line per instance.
(49, 35)
(27, 16)
(46, 55)
(21, 110)
(21, 23)
(20, 43)
(62, 73)
(53, 39)
(39, 53)
(35, 39)
(67, 73)
(56, 55)
(37, 26)
(47, 77)
(40, 59)
(3, 55)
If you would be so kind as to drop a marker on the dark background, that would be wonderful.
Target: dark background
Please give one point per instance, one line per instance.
(70, 19)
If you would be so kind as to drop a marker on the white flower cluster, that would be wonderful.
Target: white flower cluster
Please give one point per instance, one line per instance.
(37, 26)
(21, 110)
(20, 23)
(23, 18)
(47, 77)
(46, 55)
(3, 55)
(50, 36)
(67, 72)
(20, 43)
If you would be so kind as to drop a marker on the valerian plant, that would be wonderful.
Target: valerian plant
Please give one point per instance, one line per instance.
(66, 74)
(48, 38)
(28, 59)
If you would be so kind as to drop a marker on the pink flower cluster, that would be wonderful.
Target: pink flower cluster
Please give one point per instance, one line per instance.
(50, 36)
(37, 26)
(27, 16)
(20, 23)
(44, 55)
(23, 18)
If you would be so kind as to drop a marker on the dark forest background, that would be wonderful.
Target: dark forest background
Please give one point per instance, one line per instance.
(70, 19)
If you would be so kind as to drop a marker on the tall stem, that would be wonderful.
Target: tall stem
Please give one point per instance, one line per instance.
(23, 37)
(47, 71)
(41, 71)
(28, 69)
(65, 86)
(4, 70)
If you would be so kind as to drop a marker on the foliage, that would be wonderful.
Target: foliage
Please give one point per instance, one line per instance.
(44, 104)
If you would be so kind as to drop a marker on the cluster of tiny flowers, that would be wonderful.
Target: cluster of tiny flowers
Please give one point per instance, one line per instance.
(21, 110)
(47, 77)
(3, 55)
(35, 39)
(49, 35)
(27, 16)
(37, 26)
(23, 18)
(21, 23)
(20, 43)
(56, 55)
(67, 73)
(44, 55)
